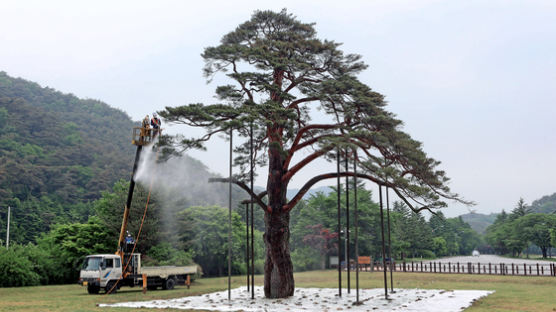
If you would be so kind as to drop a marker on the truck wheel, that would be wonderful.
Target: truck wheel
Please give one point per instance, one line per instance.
(109, 287)
(93, 290)
(169, 284)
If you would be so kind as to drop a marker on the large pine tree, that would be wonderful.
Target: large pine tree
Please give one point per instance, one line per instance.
(281, 72)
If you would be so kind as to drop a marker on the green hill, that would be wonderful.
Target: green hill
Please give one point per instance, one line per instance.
(546, 204)
(57, 153)
(478, 221)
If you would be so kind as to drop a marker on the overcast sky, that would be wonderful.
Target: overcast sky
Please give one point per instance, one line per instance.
(475, 81)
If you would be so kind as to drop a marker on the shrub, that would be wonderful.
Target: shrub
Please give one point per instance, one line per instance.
(16, 269)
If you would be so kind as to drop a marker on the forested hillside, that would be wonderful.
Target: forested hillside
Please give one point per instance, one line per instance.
(57, 153)
(478, 221)
(546, 204)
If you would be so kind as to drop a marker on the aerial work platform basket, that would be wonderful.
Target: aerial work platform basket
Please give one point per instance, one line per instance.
(142, 136)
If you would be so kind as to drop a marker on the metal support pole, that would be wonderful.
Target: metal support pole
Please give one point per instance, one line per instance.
(339, 225)
(356, 228)
(230, 223)
(389, 243)
(252, 257)
(347, 225)
(345, 248)
(8, 230)
(252, 164)
(247, 255)
(383, 247)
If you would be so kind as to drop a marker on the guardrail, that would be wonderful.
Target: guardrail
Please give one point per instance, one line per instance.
(524, 269)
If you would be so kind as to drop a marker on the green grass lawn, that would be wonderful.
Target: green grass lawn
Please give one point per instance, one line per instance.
(513, 293)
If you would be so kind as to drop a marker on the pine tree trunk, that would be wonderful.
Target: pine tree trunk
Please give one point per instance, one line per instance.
(278, 268)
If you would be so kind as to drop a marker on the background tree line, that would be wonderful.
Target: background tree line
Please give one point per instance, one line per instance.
(55, 256)
(315, 237)
(513, 233)
(199, 235)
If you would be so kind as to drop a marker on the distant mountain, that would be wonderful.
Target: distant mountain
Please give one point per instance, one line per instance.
(322, 189)
(478, 221)
(57, 153)
(292, 192)
(58, 145)
(546, 204)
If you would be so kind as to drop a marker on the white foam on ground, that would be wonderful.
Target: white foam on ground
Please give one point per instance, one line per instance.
(321, 300)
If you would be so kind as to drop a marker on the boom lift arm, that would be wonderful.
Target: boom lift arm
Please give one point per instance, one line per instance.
(128, 203)
(141, 136)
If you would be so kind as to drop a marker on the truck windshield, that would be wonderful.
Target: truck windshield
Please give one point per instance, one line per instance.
(91, 263)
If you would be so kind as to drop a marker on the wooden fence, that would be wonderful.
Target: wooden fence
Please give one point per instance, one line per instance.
(524, 269)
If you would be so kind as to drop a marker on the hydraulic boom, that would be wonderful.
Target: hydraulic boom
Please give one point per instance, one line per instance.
(141, 136)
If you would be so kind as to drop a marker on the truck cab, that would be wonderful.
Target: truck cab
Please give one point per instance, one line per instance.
(100, 272)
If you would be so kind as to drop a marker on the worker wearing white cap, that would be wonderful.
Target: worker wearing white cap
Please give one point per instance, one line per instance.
(155, 123)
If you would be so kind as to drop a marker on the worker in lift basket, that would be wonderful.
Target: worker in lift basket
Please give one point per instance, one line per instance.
(146, 128)
(155, 123)
(145, 123)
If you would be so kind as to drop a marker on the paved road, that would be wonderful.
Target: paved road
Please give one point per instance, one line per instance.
(490, 259)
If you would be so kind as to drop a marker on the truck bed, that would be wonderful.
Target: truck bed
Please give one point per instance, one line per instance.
(165, 271)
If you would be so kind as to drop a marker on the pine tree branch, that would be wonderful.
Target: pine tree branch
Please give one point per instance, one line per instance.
(331, 175)
(297, 102)
(291, 172)
(242, 83)
(258, 198)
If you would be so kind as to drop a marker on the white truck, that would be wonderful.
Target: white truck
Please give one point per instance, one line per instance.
(104, 271)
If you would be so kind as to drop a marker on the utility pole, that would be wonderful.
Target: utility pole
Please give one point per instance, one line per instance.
(8, 230)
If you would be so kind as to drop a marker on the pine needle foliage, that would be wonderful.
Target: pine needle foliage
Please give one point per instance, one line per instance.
(280, 73)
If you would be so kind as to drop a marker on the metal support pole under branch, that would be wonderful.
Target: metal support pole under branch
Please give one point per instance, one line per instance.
(383, 247)
(339, 225)
(252, 165)
(357, 302)
(346, 158)
(230, 223)
(247, 251)
(389, 243)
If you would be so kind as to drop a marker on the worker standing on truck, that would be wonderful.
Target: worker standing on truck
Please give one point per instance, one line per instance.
(155, 123)
(129, 242)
